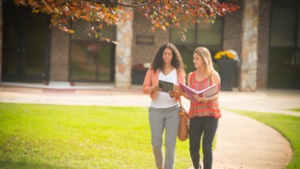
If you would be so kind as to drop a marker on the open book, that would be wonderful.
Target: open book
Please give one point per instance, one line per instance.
(165, 86)
(211, 90)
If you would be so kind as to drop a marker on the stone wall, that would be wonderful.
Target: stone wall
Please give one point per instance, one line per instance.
(124, 53)
(248, 78)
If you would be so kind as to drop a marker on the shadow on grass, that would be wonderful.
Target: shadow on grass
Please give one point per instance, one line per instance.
(28, 165)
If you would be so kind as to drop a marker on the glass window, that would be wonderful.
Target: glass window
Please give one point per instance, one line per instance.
(283, 27)
(81, 28)
(210, 33)
(280, 74)
(297, 56)
(284, 53)
(91, 59)
(201, 34)
(190, 35)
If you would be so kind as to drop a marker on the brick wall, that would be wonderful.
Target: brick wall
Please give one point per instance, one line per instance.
(232, 36)
(59, 55)
(263, 43)
(146, 53)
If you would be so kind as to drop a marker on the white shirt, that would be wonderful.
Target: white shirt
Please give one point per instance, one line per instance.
(163, 99)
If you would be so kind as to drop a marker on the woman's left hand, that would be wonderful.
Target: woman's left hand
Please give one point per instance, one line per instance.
(174, 94)
(200, 99)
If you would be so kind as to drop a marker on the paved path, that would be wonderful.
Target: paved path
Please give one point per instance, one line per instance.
(243, 143)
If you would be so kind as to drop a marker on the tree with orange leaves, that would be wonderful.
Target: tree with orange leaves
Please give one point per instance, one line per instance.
(163, 14)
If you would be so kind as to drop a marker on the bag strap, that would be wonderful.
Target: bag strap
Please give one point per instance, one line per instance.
(208, 81)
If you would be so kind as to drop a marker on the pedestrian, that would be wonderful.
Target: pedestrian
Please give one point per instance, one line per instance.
(204, 112)
(168, 66)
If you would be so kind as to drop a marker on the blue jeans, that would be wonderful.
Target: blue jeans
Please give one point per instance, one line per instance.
(206, 126)
(164, 119)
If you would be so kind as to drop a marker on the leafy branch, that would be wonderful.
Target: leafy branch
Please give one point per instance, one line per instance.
(162, 14)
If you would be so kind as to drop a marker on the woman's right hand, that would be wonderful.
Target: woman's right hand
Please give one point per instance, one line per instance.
(155, 89)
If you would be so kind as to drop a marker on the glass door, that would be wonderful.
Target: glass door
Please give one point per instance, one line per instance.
(25, 44)
(284, 55)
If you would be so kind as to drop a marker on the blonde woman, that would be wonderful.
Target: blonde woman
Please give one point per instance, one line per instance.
(204, 112)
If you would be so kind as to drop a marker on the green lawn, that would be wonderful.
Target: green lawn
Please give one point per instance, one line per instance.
(60, 137)
(52, 136)
(288, 126)
(295, 109)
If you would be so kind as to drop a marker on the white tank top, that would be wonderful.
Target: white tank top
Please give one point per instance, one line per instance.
(163, 99)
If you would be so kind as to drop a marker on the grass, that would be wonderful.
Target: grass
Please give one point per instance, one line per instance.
(295, 109)
(288, 126)
(60, 137)
(69, 137)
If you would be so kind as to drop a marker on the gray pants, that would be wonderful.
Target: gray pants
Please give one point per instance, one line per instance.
(161, 119)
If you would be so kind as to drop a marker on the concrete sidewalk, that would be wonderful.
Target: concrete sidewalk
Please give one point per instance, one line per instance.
(243, 143)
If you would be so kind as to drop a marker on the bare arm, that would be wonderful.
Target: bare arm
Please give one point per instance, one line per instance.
(215, 78)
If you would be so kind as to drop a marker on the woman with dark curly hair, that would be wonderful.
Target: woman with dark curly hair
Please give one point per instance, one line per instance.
(163, 111)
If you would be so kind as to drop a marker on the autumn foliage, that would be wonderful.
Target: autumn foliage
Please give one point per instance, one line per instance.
(163, 14)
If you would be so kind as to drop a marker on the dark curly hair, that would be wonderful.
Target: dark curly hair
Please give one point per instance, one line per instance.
(177, 61)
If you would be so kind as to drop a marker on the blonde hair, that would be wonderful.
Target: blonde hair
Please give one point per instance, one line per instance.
(205, 54)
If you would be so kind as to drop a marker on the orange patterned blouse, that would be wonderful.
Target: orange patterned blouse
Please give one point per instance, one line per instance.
(201, 109)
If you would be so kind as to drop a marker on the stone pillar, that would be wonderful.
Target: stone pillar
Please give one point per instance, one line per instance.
(249, 46)
(123, 53)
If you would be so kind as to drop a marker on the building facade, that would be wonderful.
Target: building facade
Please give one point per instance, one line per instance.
(265, 34)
